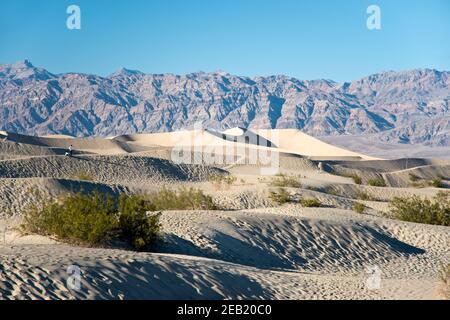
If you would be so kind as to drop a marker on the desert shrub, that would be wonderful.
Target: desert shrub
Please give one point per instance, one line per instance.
(378, 182)
(82, 175)
(356, 179)
(443, 197)
(444, 276)
(93, 219)
(413, 177)
(310, 203)
(286, 182)
(219, 180)
(437, 183)
(182, 199)
(89, 219)
(359, 207)
(136, 226)
(280, 196)
(416, 209)
(362, 195)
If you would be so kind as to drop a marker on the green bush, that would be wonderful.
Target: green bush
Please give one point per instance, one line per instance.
(443, 197)
(78, 218)
(413, 177)
(93, 219)
(280, 196)
(359, 207)
(310, 203)
(362, 195)
(437, 183)
(220, 181)
(416, 209)
(379, 182)
(356, 179)
(182, 199)
(136, 226)
(286, 182)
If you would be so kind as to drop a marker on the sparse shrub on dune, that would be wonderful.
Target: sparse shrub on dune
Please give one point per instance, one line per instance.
(137, 227)
(181, 199)
(310, 202)
(93, 219)
(443, 197)
(219, 181)
(413, 177)
(437, 183)
(284, 181)
(378, 182)
(416, 209)
(280, 196)
(82, 218)
(362, 195)
(359, 207)
(356, 179)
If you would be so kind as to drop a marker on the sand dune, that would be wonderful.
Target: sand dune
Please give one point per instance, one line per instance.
(252, 248)
(284, 140)
(108, 169)
(291, 254)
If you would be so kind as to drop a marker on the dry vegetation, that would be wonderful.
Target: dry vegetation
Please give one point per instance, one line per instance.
(222, 181)
(416, 209)
(98, 219)
(280, 196)
(94, 219)
(284, 181)
(359, 207)
(378, 182)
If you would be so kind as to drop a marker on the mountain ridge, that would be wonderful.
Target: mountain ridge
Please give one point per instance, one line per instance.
(409, 107)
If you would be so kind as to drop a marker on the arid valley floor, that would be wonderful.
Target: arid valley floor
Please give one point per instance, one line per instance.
(252, 248)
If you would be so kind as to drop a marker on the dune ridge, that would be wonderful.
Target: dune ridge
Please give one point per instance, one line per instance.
(252, 247)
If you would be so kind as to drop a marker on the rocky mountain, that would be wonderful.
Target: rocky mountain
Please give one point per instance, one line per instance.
(407, 107)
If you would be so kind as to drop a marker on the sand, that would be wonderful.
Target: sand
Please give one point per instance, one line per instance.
(250, 249)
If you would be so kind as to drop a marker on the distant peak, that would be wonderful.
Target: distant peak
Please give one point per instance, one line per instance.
(23, 64)
(222, 72)
(126, 72)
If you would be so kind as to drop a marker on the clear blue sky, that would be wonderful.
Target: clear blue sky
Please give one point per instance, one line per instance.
(304, 39)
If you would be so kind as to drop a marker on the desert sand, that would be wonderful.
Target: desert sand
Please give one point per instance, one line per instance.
(250, 249)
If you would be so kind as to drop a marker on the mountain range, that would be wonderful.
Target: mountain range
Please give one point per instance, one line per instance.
(409, 107)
